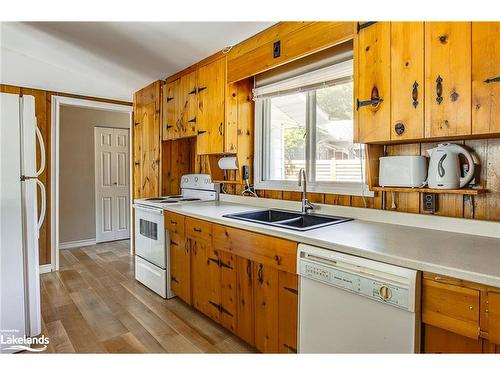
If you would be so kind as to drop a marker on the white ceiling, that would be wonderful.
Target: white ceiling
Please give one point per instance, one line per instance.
(109, 59)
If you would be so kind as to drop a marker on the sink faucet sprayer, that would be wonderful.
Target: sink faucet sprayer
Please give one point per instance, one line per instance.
(306, 206)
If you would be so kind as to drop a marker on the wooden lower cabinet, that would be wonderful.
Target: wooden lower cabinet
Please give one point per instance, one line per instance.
(459, 316)
(266, 308)
(257, 300)
(180, 268)
(245, 297)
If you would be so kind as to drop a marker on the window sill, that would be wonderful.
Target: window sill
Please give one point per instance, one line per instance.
(354, 189)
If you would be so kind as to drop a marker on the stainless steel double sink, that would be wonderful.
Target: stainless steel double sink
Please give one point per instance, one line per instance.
(288, 219)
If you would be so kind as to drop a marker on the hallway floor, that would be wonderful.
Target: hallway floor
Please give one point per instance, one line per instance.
(94, 305)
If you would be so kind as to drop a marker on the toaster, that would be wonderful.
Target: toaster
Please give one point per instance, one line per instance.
(402, 171)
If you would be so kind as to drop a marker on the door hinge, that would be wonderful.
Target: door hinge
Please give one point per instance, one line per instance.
(362, 26)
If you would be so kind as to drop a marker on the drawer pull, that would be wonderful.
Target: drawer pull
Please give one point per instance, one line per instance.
(197, 230)
(173, 222)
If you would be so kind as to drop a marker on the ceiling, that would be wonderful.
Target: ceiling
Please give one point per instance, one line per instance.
(109, 59)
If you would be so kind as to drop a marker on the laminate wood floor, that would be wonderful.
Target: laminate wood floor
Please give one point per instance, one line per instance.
(94, 305)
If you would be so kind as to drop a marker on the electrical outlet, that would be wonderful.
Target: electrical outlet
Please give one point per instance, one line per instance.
(246, 172)
(277, 49)
(429, 202)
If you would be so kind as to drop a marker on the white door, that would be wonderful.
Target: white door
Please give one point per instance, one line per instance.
(112, 184)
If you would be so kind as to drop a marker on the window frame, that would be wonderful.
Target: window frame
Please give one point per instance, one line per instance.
(261, 154)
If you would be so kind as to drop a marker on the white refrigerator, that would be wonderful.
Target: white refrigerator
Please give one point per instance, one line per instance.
(19, 221)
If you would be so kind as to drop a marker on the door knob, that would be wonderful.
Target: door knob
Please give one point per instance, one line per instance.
(115, 183)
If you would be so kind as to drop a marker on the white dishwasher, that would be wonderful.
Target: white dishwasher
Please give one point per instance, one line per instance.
(349, 304)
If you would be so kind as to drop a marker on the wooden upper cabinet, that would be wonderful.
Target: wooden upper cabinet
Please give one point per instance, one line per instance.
(147, 141)
(407, 80)
(211, 109)
(448, 79)
(168, 117)
(373, 102)
(485, 77)
(189, 104)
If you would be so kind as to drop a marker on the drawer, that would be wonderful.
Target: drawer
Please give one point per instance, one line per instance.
(198, 228)
(454, 308)
(268, 250)
(174, 223)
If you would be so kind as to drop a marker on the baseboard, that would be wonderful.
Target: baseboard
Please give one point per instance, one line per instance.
(45, 268)
(71, 244)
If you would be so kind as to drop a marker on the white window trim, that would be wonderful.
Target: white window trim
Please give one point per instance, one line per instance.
(341, 188)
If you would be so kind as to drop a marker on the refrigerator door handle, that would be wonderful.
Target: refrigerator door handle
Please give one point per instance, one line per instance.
(42, 150)
(44, 203)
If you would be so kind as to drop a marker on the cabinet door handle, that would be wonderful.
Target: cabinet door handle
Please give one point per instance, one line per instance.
(439, 90)
(220, 128)
(491, 80)
(291, 290)
(414, 94)
(173, 222)
(260, 277)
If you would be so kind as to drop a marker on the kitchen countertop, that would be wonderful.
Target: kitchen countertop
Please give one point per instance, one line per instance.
(464, 256)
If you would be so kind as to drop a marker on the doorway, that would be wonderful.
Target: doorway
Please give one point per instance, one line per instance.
(112, 183)
(75, 220)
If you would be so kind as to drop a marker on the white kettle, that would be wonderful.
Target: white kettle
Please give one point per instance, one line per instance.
(444, 167)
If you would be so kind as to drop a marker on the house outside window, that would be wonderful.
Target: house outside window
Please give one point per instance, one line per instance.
(306, 121)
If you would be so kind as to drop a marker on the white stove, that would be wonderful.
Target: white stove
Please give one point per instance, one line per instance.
(152, 242)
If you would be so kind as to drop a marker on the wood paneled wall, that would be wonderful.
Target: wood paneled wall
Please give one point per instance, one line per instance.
(43, 114)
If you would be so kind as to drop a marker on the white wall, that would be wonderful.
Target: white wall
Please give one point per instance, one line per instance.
(77, 168)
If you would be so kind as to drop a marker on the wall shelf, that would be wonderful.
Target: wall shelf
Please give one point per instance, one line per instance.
(469, 191)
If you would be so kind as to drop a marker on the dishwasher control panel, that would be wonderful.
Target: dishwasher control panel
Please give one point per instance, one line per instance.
(362, 283)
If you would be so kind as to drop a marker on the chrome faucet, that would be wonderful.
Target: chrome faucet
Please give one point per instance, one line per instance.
(306, 206)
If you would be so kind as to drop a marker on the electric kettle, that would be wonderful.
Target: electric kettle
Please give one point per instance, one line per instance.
(444, 167)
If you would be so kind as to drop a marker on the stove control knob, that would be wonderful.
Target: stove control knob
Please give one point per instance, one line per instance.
(385, 293)
(196, 179)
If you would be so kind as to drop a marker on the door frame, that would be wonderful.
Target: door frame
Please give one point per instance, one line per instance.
(96, 178)
(56, 102)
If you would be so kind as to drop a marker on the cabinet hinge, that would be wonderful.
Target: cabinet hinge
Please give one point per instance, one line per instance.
(201, 131)
(192, 92)
(174, 279)
(192, 120)
(169, 98)
(364, 103)
(362, 26)
(201, 89)
(290, 348)
(490, 80)
(294, 291)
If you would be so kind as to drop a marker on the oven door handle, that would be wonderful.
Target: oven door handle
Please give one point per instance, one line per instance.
(157, 211)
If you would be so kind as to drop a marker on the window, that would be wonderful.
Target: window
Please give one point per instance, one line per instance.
(307, 122)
